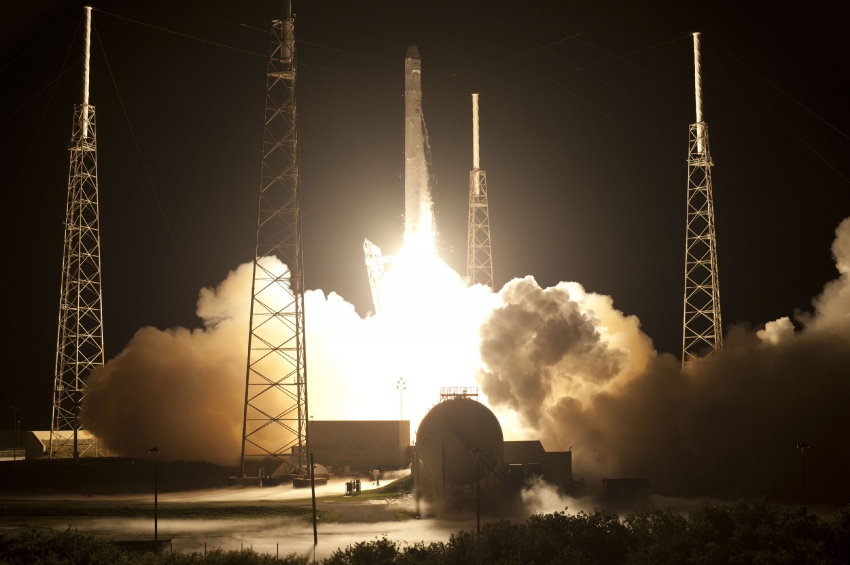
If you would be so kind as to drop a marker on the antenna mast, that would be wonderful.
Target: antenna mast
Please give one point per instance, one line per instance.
(702, 331)
(479, 256)
(274, 429)
(79, 343)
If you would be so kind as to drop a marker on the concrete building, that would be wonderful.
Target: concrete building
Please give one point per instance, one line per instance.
(556, 467)
(36, 444)
(360, 445)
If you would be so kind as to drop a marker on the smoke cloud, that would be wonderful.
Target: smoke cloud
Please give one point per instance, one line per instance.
(558, 364)
(580, 373)
(183, 390)
(178, 389)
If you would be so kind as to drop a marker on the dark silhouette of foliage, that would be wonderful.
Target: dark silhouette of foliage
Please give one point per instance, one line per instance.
(749, 532)
(74, 548)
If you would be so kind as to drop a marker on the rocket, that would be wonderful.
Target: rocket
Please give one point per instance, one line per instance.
(418, 216)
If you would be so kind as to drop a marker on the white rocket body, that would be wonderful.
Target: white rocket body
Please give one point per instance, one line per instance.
(418, 214)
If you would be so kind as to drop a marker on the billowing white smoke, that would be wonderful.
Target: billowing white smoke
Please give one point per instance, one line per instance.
(183, 390)
(558, 364)
(574, 372)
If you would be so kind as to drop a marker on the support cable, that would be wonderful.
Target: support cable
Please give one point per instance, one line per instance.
(141, 158)
(215, 276)
(322, 46)
(202, 40)
(752, 113)
(550, 78)
(516, 56)
(10, 63)
(247, 26)
(382, 159)
(798, 136)
(48, 85)
(800, 104)
(589, 65)
(38, 129)
(182, 34)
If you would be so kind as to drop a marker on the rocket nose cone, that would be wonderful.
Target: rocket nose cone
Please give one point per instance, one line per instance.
(412, 52)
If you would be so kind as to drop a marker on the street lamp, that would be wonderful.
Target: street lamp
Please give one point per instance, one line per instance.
(803, 447)
(77, 397)
(477, 452)
(401, 386)
(15, 426)
(155, 451)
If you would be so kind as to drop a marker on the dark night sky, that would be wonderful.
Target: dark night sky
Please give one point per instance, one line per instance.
(586, 168)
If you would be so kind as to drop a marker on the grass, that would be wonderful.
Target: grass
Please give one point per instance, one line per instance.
(403, 515)
(744, 532)
(387, 491)
(18, 513)
(74, 548)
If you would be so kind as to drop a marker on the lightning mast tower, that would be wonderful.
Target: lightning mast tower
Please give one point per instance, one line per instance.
(274, 429)
(702, 331)
(79, 343)
(479, 257)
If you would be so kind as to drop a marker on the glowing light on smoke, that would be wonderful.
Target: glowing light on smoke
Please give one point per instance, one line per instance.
(426, 333)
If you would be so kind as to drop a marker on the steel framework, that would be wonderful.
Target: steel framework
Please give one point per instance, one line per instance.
(79, 343)
(375, 268)
(274, 422)
(702, 330)
(479, 256)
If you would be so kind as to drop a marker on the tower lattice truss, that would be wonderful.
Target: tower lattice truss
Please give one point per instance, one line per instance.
(274, 430)
(375, 269)
(79, 347)
(702, 330)
(479, 258)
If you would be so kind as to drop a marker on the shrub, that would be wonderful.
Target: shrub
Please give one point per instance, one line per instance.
(740, 533)
(74, 548)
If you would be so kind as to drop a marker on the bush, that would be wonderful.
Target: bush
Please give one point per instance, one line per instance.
(74, 548)
(739, 533)
(379, 552)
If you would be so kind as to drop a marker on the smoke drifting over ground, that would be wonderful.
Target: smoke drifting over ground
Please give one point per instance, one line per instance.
(585, 376)
(559, 364)
(178, 389)
(183, 390)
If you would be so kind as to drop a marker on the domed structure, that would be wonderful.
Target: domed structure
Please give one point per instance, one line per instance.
(449, 434)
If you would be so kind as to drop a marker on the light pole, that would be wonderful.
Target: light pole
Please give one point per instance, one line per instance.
(803, 447)
(14, 410)
(155, 451)
(477, 452)
(313, 495)
(401, 386)
(76, 397)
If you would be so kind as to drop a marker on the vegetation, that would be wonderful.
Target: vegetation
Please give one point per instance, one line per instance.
(113, 475)
(73, 548)
(405, 483)
(390, 490)
(211, 511)
(740, 533)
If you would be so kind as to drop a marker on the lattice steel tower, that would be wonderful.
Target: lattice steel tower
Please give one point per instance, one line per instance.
(79, 344)
(274, 424)
(479, 257)
(702, 331)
